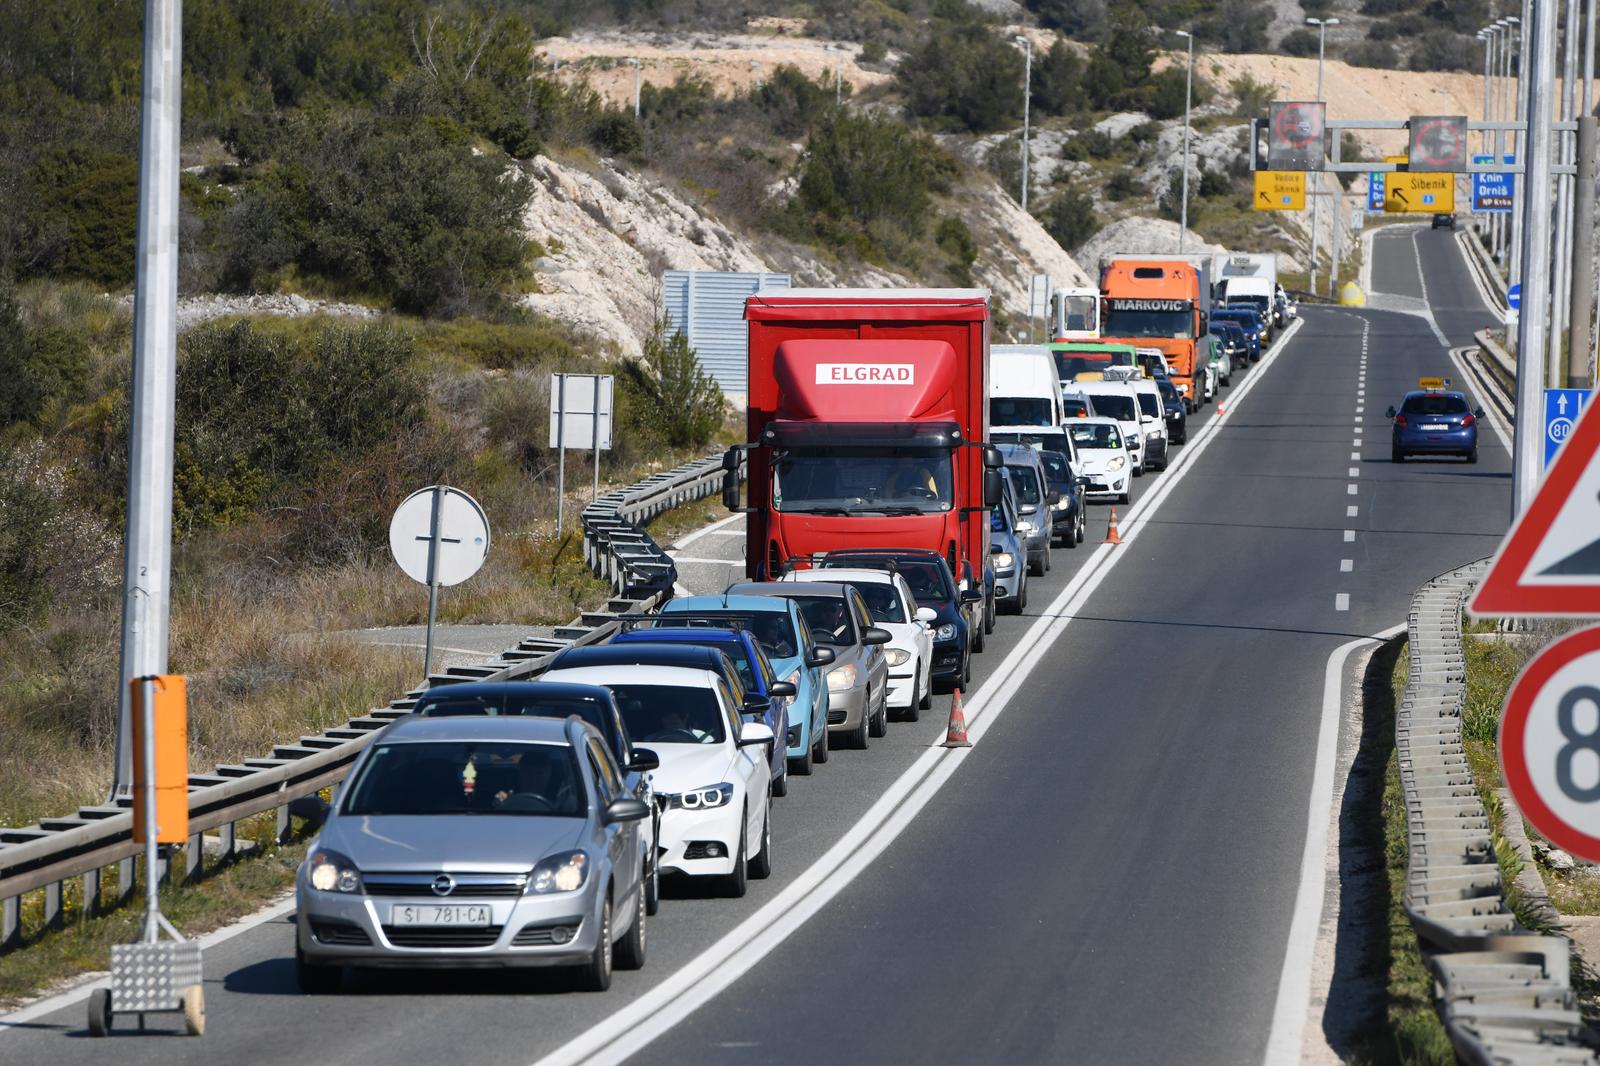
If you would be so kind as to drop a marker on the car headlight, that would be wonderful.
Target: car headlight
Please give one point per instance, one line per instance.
(563, 872)
(1024, 527)
(703, 799)
(945, 632)
(842, 678)
(1063, 503)
(1003, 560)
(1116, 463)
(328, 871)
(898, 656)
(1183, 389)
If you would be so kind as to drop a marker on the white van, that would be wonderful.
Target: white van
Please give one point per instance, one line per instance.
(1024, 392)
(1152, 423)
(1116, 399)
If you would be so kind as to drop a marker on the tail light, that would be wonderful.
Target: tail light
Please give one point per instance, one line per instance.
(1468, 420)
(1400, 420)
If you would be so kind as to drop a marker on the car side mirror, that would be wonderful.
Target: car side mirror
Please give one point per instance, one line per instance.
(644, 760)
(971, 595)
(1477, 412)
(819, 657)
(730, 460)
(626, 809)
(754, 733)
(730, 490)
(1389, 413)
(995, 549)
(312, 808)
(874, 635)
(927, 615)
(757, 705)
(782, 690)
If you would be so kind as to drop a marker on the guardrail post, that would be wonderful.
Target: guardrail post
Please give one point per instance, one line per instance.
(53, 916)
(281, 832)
(10, 923)
(194, 858)
(91, 893)
(227, 833)
(124, 881)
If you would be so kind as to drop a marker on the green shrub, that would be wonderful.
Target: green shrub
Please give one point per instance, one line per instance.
(955, 240)
(791, 101)
(1301, 42)
(86, 214)
(1122, 184)
(685, 100)
(873, 52)
(682, 402)
(1070, 218)
(863, 169)
(1214, 183)
(963, 76)
(54, 551)
(1058, 80)
(1379, 54)
(1252, 96)
(1238, 25)
(616, 133)
(39, 367)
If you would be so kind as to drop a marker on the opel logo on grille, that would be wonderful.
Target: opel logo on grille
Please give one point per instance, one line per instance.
(443, 885)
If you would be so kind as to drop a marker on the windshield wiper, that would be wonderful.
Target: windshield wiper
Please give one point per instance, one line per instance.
(819, 510)
(892, 512)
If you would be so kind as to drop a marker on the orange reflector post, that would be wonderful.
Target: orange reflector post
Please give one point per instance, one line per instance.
(172, 758)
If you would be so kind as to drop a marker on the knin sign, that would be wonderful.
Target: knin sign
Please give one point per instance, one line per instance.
(865, 374)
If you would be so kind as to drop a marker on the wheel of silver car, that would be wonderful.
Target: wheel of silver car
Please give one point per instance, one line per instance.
(595, 975)
(734, 884)
(858, 736)
(630, 949)
(879, 724)
(780, 784)
(761, 864)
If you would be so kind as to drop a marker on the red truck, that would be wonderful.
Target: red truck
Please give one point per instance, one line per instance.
(868, 426)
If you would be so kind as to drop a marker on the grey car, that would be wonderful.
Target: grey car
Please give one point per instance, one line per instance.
(474, 842)
(1035, 498)
(1006, 552)
(858, 678)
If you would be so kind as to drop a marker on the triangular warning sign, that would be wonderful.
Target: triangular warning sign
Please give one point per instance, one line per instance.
(1549, 564)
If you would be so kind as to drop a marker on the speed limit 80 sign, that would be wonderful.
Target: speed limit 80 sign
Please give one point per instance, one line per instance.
(1550, 742)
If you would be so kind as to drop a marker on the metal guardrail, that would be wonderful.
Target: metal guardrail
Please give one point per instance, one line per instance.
(42, 858)
(1504, 993)
(1479, 262)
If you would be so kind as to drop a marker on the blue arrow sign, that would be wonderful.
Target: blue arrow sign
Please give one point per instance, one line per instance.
(1514, 297)
(1561, 410)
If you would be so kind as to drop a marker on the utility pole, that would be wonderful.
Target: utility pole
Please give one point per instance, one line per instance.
(1505, 99)
(1188, 98)
(636, 78)
(1561, 294)
(1519, 194)
(1580, 332)
(1316, 193)
(147, 549)
(1027, 100)
(838, 73)
(1487, 35)
(1538, 78)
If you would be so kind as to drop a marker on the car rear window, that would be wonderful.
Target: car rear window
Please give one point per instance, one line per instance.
(1020, 411)
(1119, 407)
(1434, 405)
(1027, 483)
(829, 619)
(469, 777)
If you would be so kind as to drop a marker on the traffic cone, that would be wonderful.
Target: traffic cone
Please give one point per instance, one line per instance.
(1220, 412)
(956, 735)
(1112, 536)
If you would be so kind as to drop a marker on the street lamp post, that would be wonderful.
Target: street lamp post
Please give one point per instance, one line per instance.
(634, 63)
(1027, 100)
(1316, 204)
(838, 73)
(1188, 97)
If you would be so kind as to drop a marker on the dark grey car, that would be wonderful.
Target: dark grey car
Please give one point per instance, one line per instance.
(858, 678)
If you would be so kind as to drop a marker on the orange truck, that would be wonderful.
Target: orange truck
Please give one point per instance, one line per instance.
(1159, 305)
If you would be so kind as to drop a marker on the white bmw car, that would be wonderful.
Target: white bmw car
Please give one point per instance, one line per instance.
(714, 781)
(894, 608)
(1104, 455)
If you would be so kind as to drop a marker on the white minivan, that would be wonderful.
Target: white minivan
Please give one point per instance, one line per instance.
(1024, 391)
(1116, 399)
(1152, 422)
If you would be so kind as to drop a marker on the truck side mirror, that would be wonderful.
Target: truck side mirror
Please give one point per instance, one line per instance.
(730, 460)
(992, 459)
(730, 490)
(992, 488)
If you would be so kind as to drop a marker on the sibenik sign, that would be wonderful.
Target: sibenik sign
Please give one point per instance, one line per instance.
(865, 374)
(1150, 305)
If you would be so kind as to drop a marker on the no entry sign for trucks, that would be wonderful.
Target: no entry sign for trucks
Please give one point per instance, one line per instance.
(1550, 742)
(1294, 135)
(1438, 142)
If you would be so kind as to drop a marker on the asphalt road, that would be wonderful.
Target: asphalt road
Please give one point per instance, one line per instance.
(1109, 875)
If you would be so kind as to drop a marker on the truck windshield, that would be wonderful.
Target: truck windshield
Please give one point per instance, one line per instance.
(861, 482)
(1179, 324)
(1020, 411)
(1079, 314)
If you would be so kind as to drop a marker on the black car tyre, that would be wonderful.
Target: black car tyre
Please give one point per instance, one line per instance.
(917, 706)
(652, 889)
(630, 949)
(801, 767)
(878, 724)
(780, 784)
(595, 975)
(761, 863)
(966, 673)
(820, 749)
(989, 615)
(858, 736)
(1038, 568)
(100, 1012)
(1124, 498)
(734, 884)
(1472, 456)
(316, 980)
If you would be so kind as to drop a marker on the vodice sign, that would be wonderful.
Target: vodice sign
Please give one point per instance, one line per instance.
(865, 374)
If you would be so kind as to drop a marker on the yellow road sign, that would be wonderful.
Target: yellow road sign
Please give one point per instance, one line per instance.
(1427, 194)
(1280, 190)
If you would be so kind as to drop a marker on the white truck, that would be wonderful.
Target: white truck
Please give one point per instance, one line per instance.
(1249, 277)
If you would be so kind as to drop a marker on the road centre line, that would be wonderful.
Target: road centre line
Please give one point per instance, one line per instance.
(1351, 490)
(1346, 565)
(1349, 536)
(1355, 471)
(1341, 602)
(697, 982)
(1352, 511)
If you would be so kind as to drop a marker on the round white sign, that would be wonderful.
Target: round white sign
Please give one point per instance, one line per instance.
(1550, 742)
(463, 535)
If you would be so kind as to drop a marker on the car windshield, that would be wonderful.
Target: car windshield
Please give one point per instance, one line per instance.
(741, 661)
(1072, 407)
(835, 482)
(926, 578)
(1020, 411)
(1148, 323)
(1027, 482)
(1434, 405)
(1096, 435)
(1169, 391)
(883, 600)
(533, 705)
(1119, 407)
(829, 619)
(670, 714)
(1079, 313)
(1149, 403)
(773, 630)
(1246, 323)
(468, 777)
(1056, 467)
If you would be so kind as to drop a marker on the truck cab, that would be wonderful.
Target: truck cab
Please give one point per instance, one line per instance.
(1158, 304)
(1075, 314)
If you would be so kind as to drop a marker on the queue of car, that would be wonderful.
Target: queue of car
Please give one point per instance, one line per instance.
(564, 801)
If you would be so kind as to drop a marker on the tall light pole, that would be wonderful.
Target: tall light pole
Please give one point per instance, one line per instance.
(1188, 99)
(1027, 100)
(1486, 35)
(1566, 152)
(1538, 81)
(1519, 193)
(838, 73)
(634, 63)
(1316, 203)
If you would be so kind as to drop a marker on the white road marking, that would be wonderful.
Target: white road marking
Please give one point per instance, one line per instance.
(1294, 981)
(1346, 565)
(716, 527)
(1352, 511)
(1351, 490)
(707, 561)
(1349, 536)
(1341, 602)
(697, 982)
(1355, 471)
(1355, 456)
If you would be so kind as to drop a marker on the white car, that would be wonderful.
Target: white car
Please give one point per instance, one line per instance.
(894, 608)
(1103, 457)
(1116, 400)
(1152, 423)
(715, 777)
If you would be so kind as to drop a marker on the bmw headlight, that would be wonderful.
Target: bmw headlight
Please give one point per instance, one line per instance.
(842, 678)
(703, 799)
(328, 871)
(1003, 560)
(563, 872)
(945, 632)
(1116, 463)
(898, 656)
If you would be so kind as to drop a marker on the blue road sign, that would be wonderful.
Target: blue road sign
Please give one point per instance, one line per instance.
(1561, 410)
(1376, 180)
(1493, 192)
(1514, 297)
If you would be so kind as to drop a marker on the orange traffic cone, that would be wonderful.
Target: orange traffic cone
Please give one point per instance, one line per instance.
(956, 735)
(1112, 536)
(1219, 409)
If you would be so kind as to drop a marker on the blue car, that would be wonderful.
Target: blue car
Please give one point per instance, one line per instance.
(766, 699)
(1234, 342)
(1248, 321)
(1434, 421)
(779, 628)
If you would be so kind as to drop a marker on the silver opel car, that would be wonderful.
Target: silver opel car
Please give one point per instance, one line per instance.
(474, 841)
